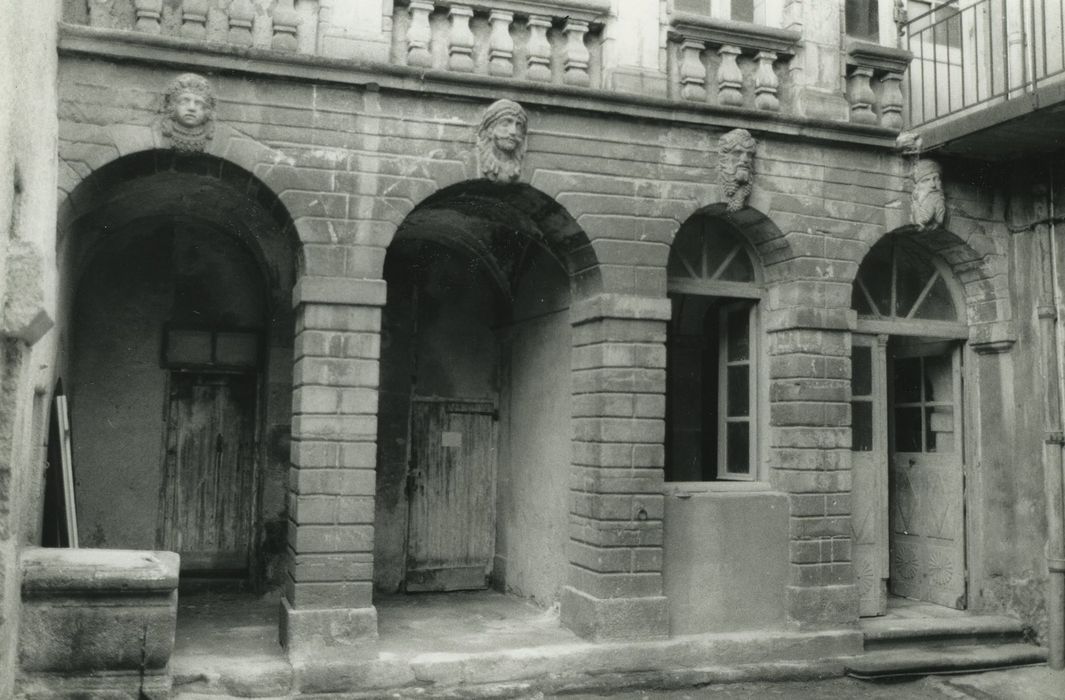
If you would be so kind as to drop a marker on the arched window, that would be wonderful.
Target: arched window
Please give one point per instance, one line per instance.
(901, 288)
(712, 355)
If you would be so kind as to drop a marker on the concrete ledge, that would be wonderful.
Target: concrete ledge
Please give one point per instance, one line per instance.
(614, 618)
(308, 632)
(97, 622)
(621, 306)
(338, 290)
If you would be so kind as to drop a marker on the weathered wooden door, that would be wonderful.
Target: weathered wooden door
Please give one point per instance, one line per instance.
(869, 459)
(451, 485)
(208, 482)
(926, 480)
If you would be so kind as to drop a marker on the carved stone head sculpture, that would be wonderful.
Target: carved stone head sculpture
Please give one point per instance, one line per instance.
(188, 113)
(928, 209)
(501, 141)
(735, 167)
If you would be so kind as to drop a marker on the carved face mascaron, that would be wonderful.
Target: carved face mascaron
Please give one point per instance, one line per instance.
(501, 141)
(188, 113)
(736, 167)
(928, 208)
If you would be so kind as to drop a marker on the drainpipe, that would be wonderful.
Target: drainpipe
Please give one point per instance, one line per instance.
(1054, 442)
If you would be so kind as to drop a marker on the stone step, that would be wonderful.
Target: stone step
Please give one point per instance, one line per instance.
(894, 632)
(961, 658)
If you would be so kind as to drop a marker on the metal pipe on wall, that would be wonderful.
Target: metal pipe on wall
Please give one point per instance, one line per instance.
(1054, 439)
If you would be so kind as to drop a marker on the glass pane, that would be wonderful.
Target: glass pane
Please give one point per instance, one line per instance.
(861, 426)
(875, 273)
(699, 249)
(907, 380)
(859, 303)
(739, 269)
(908, 429)
(738, 453)
(939, 304)
(914, 271)
(938, 379)
(739, 341)
(862, 19)
(188, 347)
(861, 370)
(738, 391)
(237, 349)
(939, 429)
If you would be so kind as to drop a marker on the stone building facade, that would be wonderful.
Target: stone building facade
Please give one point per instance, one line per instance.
(632, 308)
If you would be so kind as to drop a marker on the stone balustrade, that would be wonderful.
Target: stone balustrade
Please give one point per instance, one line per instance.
(729, 63)
(874, 83)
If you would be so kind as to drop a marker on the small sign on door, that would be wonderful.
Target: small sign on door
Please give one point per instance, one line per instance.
(450, 439)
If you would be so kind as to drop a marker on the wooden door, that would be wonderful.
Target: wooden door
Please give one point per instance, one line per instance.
(208, 482)
(926, 480)
(869, 459)
(451, 486)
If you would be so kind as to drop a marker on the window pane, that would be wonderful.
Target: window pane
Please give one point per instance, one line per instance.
(875, 273)
(861, 370)
(739, 342)
(939, 304)
(938, 379)
(739, 269)
(862, 19)
(859, 303)
(940, 429)
(237, 349)
(738, 454)
(907, 380)
(738, 391)
(908, 429)
(188, 347)
(861, 426)
(914, 271)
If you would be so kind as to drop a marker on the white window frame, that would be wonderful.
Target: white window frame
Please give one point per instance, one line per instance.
(751, 419)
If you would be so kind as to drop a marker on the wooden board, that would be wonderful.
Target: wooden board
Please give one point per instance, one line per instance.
(451, 530)
(208, 482)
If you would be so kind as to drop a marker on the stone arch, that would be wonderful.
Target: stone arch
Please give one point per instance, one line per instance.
(769, 245)
(970, 260)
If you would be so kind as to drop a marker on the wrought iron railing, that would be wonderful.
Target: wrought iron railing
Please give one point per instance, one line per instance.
(970, 54)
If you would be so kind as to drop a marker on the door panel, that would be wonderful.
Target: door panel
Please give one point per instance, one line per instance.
(926, 480)
(869, 521)
(451, 537)
(208, 482)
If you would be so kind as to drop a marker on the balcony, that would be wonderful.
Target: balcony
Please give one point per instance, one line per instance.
(652, 59)
(988, 77)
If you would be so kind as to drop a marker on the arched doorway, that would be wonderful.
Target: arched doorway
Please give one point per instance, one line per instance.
(907, 412)
(176, 279)
(475, 395)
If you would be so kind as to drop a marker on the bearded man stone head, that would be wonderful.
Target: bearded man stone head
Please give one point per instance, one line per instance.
(501, 141)
(188, 113)
(928, 207)
(735, 167)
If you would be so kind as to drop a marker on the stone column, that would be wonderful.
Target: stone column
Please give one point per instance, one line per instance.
(810, 440)
(615, 578)
(329, 588)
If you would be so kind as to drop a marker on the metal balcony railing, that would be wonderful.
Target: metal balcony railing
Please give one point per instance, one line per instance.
(972, 54)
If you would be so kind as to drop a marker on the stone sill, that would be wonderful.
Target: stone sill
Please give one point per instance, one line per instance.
(877, 57)
(184, 55)
(582, 10)
(47, 570)
(745, 35)
(688, 489)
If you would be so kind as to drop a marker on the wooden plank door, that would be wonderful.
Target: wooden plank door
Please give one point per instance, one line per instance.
(208, 483)
(451, 485)
(869, 459)
(927, 484)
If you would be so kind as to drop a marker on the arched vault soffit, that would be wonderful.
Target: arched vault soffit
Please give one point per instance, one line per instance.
(201, 188)
(500, 224)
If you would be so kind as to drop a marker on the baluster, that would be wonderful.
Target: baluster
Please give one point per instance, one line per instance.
(692, 71)
(241, 16)
(460, 43)
(100, 13)
(891, 101)
(148, 14)
(285, 23)
(766, 82)
(577, 56)
(194, 19)
(729, 77)
(861, 96)
(307, 27)
(500, 44)
(419, 34)
(539, 66)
